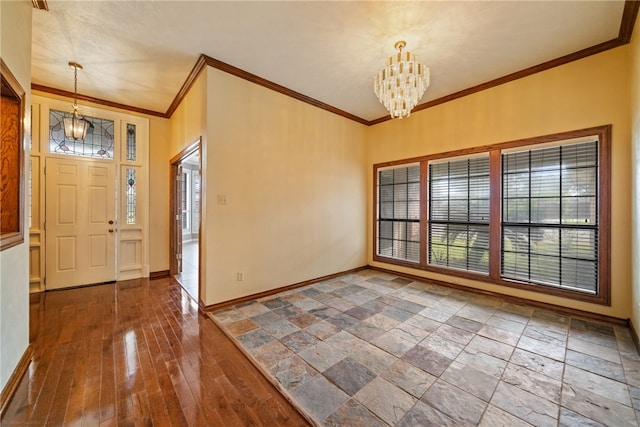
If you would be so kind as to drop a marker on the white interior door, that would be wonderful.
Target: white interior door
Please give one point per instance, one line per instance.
(80, 222)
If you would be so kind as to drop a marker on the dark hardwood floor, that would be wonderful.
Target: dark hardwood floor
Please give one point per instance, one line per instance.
(138, 353)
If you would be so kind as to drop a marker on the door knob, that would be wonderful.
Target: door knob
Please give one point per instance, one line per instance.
(111, 230)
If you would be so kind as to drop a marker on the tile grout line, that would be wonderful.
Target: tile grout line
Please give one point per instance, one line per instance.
(263, 370)
(456, 296)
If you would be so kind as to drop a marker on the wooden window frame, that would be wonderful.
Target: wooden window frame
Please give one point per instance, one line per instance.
(394, 219)
(541, 237)
(12, 150)
(602, 133)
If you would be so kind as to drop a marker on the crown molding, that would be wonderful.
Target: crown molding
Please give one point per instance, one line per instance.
(40, 4)
(629, 16)
(230, 69)
(186, 86)
(624, 37)
(99, 101)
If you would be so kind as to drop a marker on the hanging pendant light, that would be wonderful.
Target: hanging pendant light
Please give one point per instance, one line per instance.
(401, 83)
(75, 127)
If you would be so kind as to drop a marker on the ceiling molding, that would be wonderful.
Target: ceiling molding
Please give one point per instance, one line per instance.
(230, 69)
(281, 89)
(624, 37)
(627, 23)
(40, 4)
(67, 94)
(186, 86)
(629, 16)
(514, 76)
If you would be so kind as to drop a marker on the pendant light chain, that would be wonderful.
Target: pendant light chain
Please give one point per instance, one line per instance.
(75, 67)
(75, 127)
(75, 87)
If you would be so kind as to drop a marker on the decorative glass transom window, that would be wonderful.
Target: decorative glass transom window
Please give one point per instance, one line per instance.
(131, 196)
(131, 142)
(98, 143)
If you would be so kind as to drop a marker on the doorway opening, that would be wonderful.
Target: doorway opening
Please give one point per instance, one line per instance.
(185, 216)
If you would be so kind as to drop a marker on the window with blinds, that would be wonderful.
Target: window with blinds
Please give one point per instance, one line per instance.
(532, 214)
(458, 227)
(550, 216)
(398, 213)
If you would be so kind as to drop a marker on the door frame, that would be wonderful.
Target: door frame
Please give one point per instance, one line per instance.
(173, 203)
(132, 245)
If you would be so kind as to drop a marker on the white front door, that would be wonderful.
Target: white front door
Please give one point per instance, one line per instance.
(80, 222)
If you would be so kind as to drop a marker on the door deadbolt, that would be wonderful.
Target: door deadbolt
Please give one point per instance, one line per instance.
(110, 221)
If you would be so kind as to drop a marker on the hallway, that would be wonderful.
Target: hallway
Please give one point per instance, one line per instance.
(137, 353)
(189, 276)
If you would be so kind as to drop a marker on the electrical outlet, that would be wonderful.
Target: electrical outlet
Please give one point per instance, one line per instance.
(240, 276)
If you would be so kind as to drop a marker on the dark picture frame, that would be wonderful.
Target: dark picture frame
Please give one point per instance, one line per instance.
(11, 160)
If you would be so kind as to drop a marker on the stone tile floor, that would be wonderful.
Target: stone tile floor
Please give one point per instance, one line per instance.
(374, 349)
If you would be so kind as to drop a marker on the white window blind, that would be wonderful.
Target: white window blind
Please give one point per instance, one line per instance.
(399, 213)
(550, 216)
(459, 214)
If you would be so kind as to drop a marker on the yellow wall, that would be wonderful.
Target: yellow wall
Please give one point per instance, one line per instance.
(590, 92)
(294, 179)
(635, 161)
(15, 46)
(159, 137)
(188, 124)
(189, 121)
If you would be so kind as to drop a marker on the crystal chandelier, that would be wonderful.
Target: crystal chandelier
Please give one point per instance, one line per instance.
(401, 83)
(75, 126)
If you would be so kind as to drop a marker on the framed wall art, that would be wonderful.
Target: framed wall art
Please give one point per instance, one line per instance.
(11, 160)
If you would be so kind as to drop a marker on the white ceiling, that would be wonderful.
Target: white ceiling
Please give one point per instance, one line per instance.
(139, 53)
